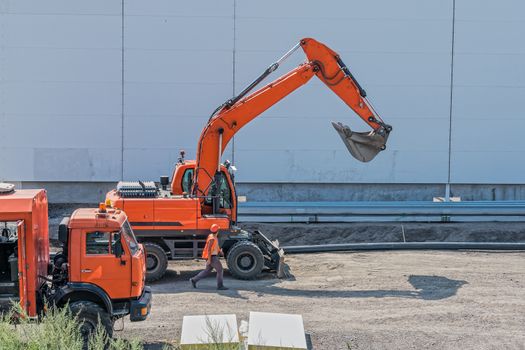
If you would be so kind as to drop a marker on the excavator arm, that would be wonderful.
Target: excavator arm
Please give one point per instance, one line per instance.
(231, 116)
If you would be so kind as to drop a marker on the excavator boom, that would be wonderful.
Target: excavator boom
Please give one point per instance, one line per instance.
(231, 116)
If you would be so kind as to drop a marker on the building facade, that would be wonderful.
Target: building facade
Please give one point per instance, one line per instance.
(92, 92)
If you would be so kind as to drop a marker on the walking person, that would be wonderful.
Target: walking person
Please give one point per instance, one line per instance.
(211, 253)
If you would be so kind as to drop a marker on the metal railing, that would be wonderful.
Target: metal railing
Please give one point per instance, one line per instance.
(409, 211)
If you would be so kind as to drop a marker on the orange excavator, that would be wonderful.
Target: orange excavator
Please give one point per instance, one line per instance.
(172, 221)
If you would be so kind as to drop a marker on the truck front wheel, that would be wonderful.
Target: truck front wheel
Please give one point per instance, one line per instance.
(89, 315)
(245, 260)
(156, 261)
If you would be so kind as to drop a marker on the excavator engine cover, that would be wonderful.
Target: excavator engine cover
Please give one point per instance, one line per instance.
(364, 146)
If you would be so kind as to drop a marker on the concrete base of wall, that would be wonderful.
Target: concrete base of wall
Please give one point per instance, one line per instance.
(72, 192)
(94, 192)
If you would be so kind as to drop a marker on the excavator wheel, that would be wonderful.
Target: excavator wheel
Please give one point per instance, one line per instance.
(156, 261)
(245, 260)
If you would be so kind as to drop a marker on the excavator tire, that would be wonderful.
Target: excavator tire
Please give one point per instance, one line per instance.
(89, 315)
(156, 261)
(245, 260)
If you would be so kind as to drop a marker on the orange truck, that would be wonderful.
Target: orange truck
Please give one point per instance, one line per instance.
(99, 273)
(172, 220)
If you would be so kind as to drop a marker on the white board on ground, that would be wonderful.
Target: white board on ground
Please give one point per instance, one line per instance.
(275, 331)
(199, 331)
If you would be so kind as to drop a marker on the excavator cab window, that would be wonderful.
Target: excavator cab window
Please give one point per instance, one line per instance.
(187, 180)
(224, 192)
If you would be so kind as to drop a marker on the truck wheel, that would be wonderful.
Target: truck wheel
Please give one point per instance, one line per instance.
(156, 261)
(245, 260)
(89, 315)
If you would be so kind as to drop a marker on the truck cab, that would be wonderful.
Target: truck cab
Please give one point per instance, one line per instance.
(99, 273)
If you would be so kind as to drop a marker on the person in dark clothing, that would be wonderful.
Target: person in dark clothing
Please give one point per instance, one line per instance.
(211, 253)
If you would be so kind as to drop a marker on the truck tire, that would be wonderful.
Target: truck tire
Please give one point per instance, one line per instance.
(89, 314)
(156, 261)
(245, 260)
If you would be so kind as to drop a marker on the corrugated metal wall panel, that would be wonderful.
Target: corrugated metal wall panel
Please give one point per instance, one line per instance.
(489, 90)
(399, 52)
(71, 81)
(178, 60)
(60, 90)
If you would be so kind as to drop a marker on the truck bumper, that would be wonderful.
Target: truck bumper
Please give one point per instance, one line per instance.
(140, 308)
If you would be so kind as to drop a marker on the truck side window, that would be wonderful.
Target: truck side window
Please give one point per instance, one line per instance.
(101, 243)
(187, 180)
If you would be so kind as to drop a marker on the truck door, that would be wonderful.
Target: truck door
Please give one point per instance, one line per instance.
(100, 264)
(22, 271)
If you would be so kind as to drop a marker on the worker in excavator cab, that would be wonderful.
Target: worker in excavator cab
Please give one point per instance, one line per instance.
(211, 253)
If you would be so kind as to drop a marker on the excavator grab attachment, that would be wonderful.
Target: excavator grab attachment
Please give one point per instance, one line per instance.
(364, 146)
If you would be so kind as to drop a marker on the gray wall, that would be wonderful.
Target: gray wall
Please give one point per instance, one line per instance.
(103, 90)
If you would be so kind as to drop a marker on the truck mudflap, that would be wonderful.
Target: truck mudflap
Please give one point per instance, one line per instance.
(273, 254)
(139, 309)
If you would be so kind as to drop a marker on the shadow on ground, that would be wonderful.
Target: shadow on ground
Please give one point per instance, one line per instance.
(425, 288)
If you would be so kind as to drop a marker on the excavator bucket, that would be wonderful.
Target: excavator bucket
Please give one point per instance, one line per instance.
(364, 146)
(274, 254)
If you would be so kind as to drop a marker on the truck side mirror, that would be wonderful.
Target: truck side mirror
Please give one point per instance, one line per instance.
(117, 247)
(63, 230)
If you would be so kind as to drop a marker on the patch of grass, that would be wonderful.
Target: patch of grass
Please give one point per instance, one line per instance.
(57, 329)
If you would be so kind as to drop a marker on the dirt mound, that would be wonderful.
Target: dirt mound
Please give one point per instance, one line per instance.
(307, 234)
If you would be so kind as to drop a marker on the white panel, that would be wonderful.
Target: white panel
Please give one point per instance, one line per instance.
(487, 167)
(65, 98)
(81, 164)
(201, 8)
(196, 331)
(489, 90)
(149, 164)
(62, 132)
(62, 7)
(501, 10)
(276, 331)
(160, 132)
(17, 163)
(59, 65)
(489, 37)
(347, 9)
(62, 31)
(178, 33)
(184, 66)
(497, 135)
(60, 90)
(178, 69)
(488, 102)
(337, 166)
(486, 70)
(174, 99)
(399, 52)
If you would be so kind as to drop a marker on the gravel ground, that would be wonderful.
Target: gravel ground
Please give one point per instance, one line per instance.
(370, 300)
(365, 300)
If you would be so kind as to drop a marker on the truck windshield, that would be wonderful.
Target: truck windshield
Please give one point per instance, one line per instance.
(129, 236)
